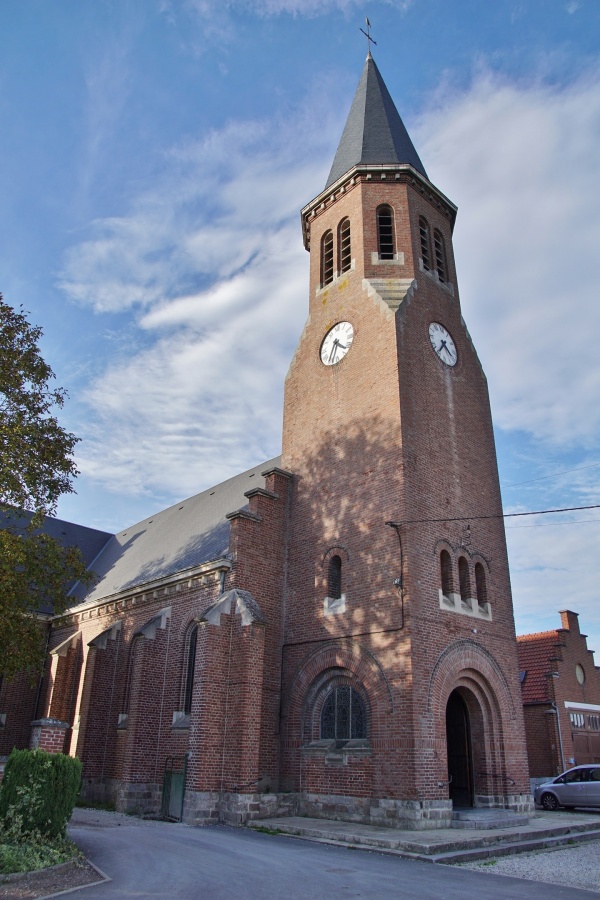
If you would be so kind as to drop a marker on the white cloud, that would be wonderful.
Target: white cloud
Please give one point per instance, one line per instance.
(212, 264)
(522, 162)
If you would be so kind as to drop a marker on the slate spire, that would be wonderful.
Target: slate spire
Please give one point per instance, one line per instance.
(374, 131)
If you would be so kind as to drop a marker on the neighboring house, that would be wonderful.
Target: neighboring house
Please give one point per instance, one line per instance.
(561, 698)
(330, 632)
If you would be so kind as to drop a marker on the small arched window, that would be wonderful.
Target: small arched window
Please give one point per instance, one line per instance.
(480, 584)
(190, 665)
(425, 244)
(327, 258)
(446, 573)
(440, 256)
(344, 248)
(334, 578)
(343, 716)
(464, 579)
(385, 232)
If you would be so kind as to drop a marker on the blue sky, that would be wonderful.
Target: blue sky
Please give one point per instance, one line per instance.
(153, 162)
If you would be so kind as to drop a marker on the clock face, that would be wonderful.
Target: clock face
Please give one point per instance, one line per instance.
(336, 343)
(442, 343)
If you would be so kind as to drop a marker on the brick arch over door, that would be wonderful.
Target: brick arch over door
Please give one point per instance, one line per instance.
(470, 670)
(353, 658)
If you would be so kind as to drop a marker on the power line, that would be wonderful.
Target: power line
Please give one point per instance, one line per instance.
(537, 512)
(553, 475)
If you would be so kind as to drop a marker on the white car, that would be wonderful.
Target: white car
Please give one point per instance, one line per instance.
(575, 787)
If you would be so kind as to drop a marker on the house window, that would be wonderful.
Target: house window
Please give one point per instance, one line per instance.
(334, 578)
(344, 248)
(440, 256)
(327, 258)
(425, 244)
(464, 579)
(446, 573)
(343, 716)
(385, 232)
(190, 665)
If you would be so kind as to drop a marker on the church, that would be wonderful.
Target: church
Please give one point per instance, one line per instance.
(330, 633)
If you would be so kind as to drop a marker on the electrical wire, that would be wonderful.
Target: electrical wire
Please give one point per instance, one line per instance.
(536, 512)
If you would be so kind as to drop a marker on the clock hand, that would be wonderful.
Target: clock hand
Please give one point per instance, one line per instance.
(333, 349)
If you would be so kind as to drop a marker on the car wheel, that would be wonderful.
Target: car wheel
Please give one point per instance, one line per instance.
(549, 802)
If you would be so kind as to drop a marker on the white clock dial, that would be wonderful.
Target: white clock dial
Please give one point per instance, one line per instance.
(336, 343)
(442, 343)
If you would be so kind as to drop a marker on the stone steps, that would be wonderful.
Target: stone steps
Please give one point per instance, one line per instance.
(446, 845)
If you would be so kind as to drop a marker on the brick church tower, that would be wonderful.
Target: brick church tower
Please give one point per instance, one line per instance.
(399, 664)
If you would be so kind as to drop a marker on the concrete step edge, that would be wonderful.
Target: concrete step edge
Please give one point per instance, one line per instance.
(514, 847)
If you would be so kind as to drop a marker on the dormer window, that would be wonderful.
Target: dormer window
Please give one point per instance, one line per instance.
(344, 248)
(385, 232)
(327, 258)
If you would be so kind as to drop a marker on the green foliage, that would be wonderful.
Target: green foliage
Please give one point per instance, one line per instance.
(38, 794)
(36, 467)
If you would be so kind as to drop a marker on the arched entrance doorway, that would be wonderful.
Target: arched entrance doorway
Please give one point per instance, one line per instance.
(460, 756)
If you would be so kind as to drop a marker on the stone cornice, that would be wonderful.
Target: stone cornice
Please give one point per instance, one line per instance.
(144, 593)
(403, 174)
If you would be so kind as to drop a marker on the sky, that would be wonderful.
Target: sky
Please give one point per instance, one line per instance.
(154, 158)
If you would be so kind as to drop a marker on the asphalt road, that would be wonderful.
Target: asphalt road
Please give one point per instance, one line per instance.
(221, 863)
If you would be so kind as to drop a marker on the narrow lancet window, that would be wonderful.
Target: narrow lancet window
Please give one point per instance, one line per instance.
(440, 256)
(327, 258)
(344, 248)
(189, 670)
(385, 232)
(334, 578)
(446, 573)
(464, 579)
(425, 244)
(480, 585)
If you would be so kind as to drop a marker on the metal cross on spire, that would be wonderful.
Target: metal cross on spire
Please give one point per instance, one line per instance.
(367, 34)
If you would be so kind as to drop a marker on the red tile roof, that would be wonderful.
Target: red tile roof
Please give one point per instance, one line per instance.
(536, 652)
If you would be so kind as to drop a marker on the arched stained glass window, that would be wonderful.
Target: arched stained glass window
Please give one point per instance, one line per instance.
(344, 248)
(327, 258)
(343, 717)
(385, 232)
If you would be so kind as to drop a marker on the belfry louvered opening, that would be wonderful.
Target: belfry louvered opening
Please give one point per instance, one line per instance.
(344, 248)
(385, 232)
(327, 258)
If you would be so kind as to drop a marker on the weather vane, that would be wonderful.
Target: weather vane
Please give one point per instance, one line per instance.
(367, 34)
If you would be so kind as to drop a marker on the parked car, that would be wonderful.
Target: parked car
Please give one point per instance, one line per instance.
(575, 787)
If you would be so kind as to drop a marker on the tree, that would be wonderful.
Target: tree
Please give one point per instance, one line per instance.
(36, 467)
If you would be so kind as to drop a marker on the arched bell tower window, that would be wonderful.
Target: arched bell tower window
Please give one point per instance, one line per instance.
(425, 243)
(190, 666)
(343, 716)
(334, 578)
(446, 572)
(480, 584)
(440, 256)
(464, 579)
(344, 248)
(385, 232)
(327, 258)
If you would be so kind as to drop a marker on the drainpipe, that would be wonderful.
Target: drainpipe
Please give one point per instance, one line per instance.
(560, 743)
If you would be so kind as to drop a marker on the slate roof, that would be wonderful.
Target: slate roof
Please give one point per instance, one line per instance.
(185, 535)
(374, 132)
(536, 652)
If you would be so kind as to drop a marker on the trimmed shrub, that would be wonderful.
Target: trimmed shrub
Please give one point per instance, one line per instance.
(38, 792)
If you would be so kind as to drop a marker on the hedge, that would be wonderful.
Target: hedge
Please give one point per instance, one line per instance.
(39, 791)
